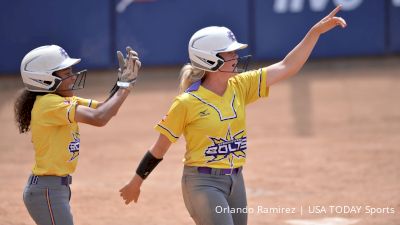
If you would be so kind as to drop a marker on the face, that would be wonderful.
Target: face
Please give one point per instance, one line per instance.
(66, 85)
(231, 59)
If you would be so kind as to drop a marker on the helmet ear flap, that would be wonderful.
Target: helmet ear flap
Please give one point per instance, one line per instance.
(220, 62)
(57, 82)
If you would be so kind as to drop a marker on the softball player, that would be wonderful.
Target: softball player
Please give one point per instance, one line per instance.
(210, 113)
(50, 110)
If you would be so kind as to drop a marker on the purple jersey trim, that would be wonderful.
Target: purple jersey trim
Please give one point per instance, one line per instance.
(194, 87)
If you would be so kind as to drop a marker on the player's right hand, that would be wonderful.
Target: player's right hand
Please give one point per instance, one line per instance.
(128, 67)
(329, 22)
(131, 191)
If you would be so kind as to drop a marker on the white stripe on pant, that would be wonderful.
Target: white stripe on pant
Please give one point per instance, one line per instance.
(210, 198)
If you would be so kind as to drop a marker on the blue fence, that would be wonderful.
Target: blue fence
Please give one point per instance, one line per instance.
(81, 27)
(394, 27)
(278, 29)
(160, 29)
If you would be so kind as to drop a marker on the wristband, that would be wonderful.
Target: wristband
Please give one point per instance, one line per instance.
(148, 163)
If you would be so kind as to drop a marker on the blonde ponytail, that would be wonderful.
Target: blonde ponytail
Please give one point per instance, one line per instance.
(188, 76)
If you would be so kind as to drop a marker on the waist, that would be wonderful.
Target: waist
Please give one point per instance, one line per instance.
(50, 180)
(213, 171)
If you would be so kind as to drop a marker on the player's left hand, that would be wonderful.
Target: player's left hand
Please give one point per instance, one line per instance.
(131, 191)
(128, 67)
(329, 22)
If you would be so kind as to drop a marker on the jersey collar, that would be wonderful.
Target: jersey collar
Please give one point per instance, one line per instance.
(194, 87)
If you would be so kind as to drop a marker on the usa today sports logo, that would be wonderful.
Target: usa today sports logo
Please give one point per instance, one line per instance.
(309, 210)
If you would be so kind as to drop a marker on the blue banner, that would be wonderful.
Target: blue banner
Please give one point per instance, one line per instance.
(394, 26)
(82, 28)
(160, 30)
(281, 24)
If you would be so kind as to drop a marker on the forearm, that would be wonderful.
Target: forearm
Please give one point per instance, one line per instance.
(296, 58)
(137, 180)
(160, 148)
(109, 108)
(153, 157)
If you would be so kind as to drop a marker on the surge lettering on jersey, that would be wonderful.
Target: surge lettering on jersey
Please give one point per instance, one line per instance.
(73, 146)
(228, 148)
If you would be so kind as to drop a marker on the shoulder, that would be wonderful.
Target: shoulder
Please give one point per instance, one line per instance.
(50, 96)
(53, 101)
(50, 99)
(183, 99)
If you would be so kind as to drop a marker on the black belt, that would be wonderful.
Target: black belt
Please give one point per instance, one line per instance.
(50, 180)
(216, 171)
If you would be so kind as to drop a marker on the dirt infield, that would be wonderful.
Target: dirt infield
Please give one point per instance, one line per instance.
(327, 137)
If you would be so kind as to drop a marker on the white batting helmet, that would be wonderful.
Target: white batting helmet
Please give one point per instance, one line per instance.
(38, 66)
(206, 43)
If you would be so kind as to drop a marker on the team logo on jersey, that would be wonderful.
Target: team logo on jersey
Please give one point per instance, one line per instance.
(73, 146)
(230, 147)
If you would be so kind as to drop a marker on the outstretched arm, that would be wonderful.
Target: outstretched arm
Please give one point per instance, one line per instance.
(295, 60)
(127, 75)
(104, 112)
(131, 191)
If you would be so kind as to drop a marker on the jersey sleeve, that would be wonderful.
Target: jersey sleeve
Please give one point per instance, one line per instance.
(80, 101)
(54, 110)
(87, 102)
(173, 123)
(253, 84)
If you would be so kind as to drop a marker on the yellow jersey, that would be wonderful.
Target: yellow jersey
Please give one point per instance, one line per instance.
(55, 134)
(214, 126)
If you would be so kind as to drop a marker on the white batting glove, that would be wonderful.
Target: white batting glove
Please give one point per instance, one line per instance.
(128, 68)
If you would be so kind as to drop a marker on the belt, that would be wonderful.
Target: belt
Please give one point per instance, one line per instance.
(50, 180)
(215, 171)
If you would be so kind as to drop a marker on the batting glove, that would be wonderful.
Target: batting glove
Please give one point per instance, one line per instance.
(128, 68)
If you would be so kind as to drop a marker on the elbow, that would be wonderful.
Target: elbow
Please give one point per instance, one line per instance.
(289, 68)
(101, 118)
(104, 119)
(100, 121)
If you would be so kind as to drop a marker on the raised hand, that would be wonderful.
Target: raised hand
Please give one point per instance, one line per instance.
(128, 67)
(329, 22)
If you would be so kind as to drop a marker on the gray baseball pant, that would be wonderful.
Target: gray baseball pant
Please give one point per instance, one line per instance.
(47, 200)
(209, 198)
